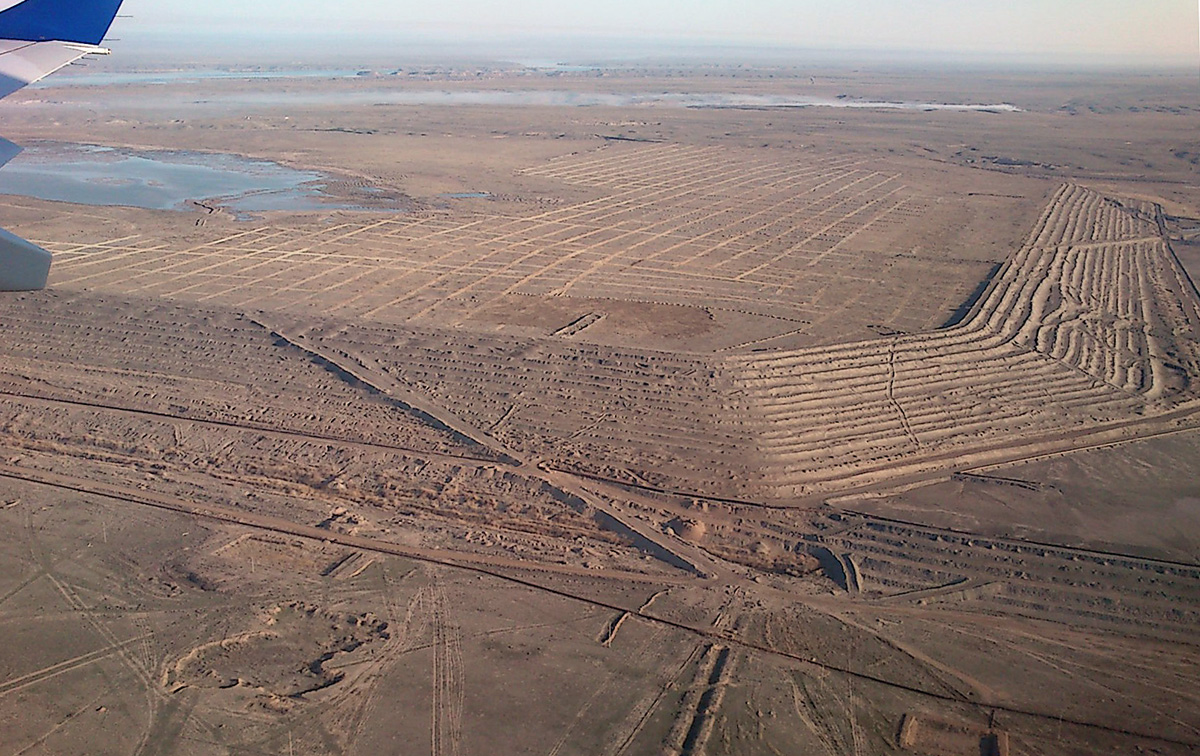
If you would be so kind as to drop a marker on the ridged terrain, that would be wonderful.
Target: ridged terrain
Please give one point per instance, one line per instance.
(1091, 321)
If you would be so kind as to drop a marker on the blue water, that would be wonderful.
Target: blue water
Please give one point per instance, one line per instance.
(161, 180)
(196, 75)
(545, 64)
(553, 98)
(110, 78)
(396, 91)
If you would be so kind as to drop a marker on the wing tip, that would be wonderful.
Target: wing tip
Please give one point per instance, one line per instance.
(24, 266)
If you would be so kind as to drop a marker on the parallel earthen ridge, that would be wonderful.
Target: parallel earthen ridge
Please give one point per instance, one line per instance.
(1092, 321)
(1090, 327)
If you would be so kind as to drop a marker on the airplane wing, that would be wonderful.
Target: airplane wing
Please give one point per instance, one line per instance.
(23, 63)
(38, 37)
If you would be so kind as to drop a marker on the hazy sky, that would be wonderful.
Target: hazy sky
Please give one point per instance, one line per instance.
(1151, 30)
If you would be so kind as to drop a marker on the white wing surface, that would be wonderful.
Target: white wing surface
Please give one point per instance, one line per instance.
(24, 62)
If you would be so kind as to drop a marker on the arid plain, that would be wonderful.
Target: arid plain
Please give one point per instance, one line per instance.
(613, 422)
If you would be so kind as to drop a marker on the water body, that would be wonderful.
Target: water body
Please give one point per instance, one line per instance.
(400, 93)
(568, 98)
(771, 101)
(543, 64)
(162, 180)
(186, 77)
(198, 75)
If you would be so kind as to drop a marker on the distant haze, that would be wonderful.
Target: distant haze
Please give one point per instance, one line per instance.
(1113, 32)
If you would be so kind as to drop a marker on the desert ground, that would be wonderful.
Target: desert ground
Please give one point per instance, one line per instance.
(608, 421)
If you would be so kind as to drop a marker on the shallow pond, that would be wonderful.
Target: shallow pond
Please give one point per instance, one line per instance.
(162, 180)
(394, 90)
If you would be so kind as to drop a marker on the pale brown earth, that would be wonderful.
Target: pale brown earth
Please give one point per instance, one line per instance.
(777, 431)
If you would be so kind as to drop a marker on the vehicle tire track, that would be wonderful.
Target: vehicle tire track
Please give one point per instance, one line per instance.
(636, 720)
(65, 666)
(891, 393)
(226, 514)
(448, 669)
(832, 739)
(693, 727)
(638, 656)
(153, 694)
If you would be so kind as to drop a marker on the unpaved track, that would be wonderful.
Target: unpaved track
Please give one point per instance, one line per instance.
(458, 459)
(54, 670)
(1025, 542)
(1069, 344)
(361, 368)
(642, 654)
(448, 676)
(464, 560)
(494, 567)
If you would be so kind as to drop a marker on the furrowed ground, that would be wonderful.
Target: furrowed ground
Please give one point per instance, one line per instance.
(698, 440)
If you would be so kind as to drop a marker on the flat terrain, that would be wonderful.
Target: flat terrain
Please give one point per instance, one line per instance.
(632, 428)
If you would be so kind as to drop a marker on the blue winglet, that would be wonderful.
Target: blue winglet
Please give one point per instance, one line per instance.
(83, 21)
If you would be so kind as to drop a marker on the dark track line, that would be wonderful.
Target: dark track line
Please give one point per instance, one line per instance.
(302, 435)
(1099, 553)
(648, 488)
(613, 481)
(224, 514)
(598, 478)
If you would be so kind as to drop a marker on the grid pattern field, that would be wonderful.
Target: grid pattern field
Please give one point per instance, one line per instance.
(795, 240)
(1090, 324)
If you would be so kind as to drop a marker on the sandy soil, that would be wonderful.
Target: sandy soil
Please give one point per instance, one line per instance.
(793, 430)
